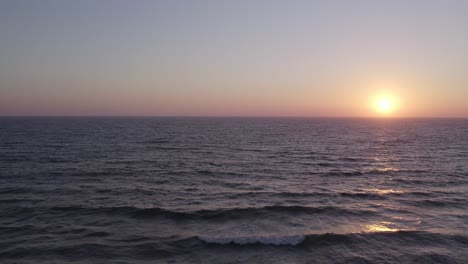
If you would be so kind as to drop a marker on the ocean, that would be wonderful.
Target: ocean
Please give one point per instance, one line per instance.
(233, 190)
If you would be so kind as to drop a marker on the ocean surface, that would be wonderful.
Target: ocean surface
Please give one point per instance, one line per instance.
(233, 190)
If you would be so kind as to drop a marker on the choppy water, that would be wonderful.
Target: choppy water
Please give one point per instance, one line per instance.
(214, 190)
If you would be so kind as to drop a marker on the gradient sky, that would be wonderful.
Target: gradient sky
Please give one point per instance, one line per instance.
(242, 58)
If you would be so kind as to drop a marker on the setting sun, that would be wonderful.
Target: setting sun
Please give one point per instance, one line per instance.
(385, 105)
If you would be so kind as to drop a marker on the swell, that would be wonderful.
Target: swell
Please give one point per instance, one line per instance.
(329, 239)
(349, 173)
(445, 202)
(372, 194)
(244, 190)
(156, 212)
(401, 236)
(78, 251)
(157, 247)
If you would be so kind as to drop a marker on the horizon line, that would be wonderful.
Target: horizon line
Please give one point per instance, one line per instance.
(236, 116)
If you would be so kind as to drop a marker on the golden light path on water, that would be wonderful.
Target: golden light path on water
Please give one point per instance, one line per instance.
(380, 227)
(384, 226)
(382, 191)
(384, 104)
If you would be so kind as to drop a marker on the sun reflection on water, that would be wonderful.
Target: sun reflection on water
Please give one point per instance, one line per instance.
(383, 191)
(380, 227)
(388, 169)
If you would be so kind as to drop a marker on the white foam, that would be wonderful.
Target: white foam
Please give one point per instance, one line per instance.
(267, 240)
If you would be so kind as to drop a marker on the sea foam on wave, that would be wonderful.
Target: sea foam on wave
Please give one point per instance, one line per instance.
(267, 240)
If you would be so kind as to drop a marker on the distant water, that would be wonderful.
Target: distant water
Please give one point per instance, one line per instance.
(214, 190)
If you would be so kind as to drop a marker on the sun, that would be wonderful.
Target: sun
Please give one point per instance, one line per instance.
(385, 105)
(385, 98)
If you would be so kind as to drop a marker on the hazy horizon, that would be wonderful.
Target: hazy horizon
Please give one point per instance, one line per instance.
(233, 116)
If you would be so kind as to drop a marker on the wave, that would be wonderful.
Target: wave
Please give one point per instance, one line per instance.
(292, 240)
(206, 214)
(154, 141)
(266, 240)
(235, 213)
(14, 190)
(364, 194)
(19, 200)
(442, 202)
(277, 240)
(385, 171)
(332, 238)
(153, 248)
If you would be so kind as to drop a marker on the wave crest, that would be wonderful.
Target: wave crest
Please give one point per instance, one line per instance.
(266, 240)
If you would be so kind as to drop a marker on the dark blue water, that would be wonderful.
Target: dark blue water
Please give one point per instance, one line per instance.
(233, 190)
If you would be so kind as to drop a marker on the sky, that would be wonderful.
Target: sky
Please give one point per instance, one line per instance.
(234, 58)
